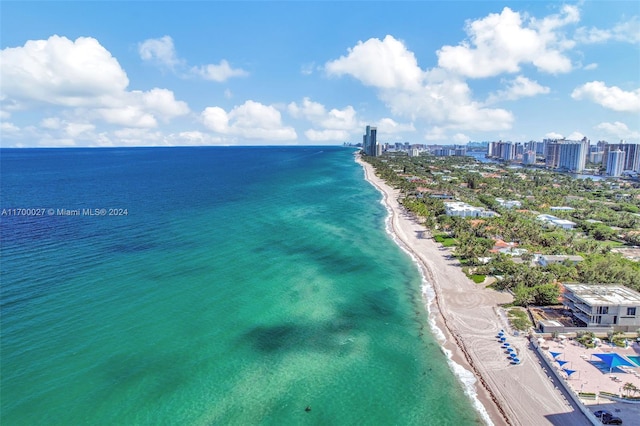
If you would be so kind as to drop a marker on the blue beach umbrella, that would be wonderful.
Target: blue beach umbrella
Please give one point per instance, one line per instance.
(569, 372)
(561, 362)
(503, 339)
(505, 345)
(515, 360)
(513, 355)
(555, 354)
(510, 349)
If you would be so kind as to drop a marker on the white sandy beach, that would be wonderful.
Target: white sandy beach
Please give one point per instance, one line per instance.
(468, 316)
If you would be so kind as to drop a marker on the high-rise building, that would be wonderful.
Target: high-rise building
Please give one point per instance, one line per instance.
(573, 155)
(552, 153)
(566, 154)
(631, 154)
(529, 157)
(595, 157)
(615, 163)
(504, 150)
(369, 141)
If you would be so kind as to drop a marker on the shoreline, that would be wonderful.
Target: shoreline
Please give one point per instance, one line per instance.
(464, 318)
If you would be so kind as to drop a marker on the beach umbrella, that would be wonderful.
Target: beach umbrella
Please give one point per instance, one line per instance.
(513, 355)
(516, 360)
(555, 354)
(501, 333)
(569, 372)
(510, 349)
(505, 345)
(561, 362)
(503, 339)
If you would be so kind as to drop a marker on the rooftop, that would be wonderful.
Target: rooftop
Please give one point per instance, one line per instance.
(561, 257)
(594, 295)
(563, 222)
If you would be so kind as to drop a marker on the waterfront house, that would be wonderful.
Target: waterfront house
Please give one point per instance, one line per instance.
(612, 306)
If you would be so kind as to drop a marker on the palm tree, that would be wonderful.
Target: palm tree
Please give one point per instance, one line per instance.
(630, 387)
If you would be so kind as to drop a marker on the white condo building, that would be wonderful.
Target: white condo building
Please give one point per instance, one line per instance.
(615, 163)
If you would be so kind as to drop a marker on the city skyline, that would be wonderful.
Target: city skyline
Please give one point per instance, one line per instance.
(313, 73)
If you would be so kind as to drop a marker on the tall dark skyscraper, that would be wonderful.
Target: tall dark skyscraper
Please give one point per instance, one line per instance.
(369, 140)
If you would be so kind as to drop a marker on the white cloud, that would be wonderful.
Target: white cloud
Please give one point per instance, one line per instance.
(436, 96)
(251, 120)
(162, 102)
(591, 66)
(51, 123)
(387, 127)
(327, 135)
(195, 138)
(228, 94)
(500, 43)
(312, 111)
(625, 31)
(8, 128)
(316, 113)
(219, 73)
(592, 35)
(56, 142)
(520, 87)
(73, 130)
(138, 137)
(216, 119)
(575, 136)
(160, 50)
(436, 134)
(61, 72)
(307, 69)
(447, 102)
(81, 74)
(618, 130)
(128, 116)
(333, 125)
(460, 138)
(553, 135)
(385, 64)
(341, 125)
(609, 97)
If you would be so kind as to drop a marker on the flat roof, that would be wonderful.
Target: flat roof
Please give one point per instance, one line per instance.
(562, 257)
(562, 222)
(595, 295)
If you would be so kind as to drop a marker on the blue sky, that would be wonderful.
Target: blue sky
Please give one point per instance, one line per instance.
(270, 73)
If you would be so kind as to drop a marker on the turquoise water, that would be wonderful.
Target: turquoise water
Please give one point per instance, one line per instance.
(242, 286)
(635, 359)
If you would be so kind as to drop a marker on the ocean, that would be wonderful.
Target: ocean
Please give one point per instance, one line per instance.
(210, 286)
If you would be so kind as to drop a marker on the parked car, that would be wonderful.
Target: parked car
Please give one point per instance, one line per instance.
(610, 420)
(601, 413)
